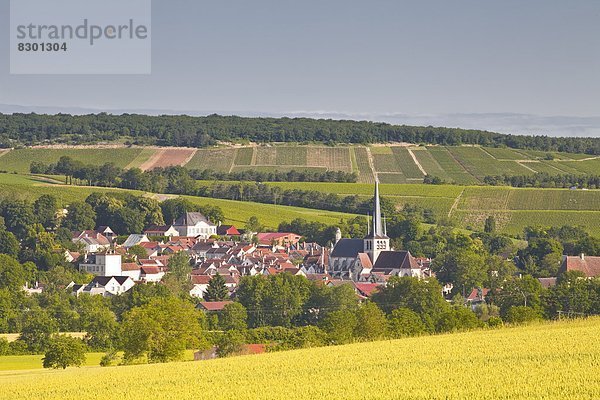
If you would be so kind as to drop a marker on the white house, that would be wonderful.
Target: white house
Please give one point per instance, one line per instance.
(135, 239)
(200, 283)
(102, 264)
(91, 241)
(196, 225)
(108, 285)
(161, 230)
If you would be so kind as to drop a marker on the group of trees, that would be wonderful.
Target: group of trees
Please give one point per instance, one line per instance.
(205, 131)
(166, 179)
(545, 180)
(251, 175)
(178, 180)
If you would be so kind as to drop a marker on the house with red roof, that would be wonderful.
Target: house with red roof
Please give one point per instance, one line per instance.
(588, 265)
(283, 239)
(213, 306)
(227, 230)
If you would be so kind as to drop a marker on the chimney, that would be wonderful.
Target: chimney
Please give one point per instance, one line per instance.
(582, 256)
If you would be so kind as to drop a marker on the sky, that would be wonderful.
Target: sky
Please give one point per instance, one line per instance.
(447, 62)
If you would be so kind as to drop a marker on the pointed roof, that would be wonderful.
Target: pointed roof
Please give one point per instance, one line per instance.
(377, 230)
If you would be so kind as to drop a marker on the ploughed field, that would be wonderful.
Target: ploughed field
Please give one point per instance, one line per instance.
(390, 163)
(552, 360)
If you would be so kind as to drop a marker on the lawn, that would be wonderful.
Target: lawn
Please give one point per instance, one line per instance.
(551, 360)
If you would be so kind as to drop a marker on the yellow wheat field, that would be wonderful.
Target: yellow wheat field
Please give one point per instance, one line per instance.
(547, 361)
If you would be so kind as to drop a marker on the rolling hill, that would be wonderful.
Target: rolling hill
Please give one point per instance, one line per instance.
(555, 360)
(390, 163)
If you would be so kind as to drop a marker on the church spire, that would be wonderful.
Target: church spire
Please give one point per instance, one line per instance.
(377, 224)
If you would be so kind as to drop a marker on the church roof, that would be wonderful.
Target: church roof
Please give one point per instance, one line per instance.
(390, 260)
(347, 248)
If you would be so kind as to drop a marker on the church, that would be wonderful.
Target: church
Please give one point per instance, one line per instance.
(371, 258)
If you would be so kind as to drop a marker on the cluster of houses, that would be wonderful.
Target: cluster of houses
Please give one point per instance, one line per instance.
(222, 249)
(365, 263)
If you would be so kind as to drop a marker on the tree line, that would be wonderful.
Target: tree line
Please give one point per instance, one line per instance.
(178, 180)
(30, 129)
(545, 180)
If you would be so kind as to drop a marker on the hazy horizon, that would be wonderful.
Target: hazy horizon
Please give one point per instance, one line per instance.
(513, 67)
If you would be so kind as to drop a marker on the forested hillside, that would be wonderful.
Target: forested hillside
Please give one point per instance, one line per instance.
(30, 129)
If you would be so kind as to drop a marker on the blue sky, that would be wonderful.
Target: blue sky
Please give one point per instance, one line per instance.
(357, 58)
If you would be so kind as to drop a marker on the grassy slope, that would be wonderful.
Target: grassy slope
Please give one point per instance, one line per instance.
(30, 188)
(551, 361)
(514, 208)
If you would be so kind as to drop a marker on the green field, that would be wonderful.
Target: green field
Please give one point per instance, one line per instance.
(515, 208)
(215, 159)
(393, 164)
(141, 158)
(238, 212)
(20, 160)
(244, 156)
(365, 174)
(552, 360)
(30, 188)
(13, 363)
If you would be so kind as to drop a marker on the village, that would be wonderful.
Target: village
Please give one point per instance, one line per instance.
(231, 253)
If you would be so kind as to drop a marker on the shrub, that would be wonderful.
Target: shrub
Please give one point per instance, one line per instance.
(64, 351)
(522, 315)
(405, 322)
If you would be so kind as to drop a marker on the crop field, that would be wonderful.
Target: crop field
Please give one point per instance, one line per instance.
(393, 164)
(215, 159)
(168, 157)
(142, 158)
(20, 160)
(244, 156)
(430, 165)
(333, 158)
(282, 168)
(553, 360)
(515, 208)
(365, 174)
(28, 362)
(20, 187)
(503, 153)
(290, 156)
(386, 163)
(479, 163)
(452, 167)
(586, 167)
(407, 163)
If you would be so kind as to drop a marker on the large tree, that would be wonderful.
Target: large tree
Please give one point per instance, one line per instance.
(64, 351)
(216, 290)
(80, 216)
(161, 330)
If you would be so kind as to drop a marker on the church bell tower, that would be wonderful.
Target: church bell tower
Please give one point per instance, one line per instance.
(376, 240)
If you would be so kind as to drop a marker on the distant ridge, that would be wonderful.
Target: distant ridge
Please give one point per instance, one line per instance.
(510, 123)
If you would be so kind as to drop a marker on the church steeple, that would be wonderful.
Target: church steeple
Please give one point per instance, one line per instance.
(376, 240)
(377, 225)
